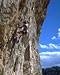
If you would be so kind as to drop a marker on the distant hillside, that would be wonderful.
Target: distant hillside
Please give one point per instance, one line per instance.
(51, 71)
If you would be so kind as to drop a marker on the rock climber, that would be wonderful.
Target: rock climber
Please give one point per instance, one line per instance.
(24, 28)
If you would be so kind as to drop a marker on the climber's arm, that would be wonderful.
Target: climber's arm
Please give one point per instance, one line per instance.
(20, 26)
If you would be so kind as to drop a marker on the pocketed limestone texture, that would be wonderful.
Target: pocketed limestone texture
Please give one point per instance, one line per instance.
(19, 53)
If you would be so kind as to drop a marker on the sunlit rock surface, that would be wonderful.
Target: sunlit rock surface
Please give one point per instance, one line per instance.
(20, 55)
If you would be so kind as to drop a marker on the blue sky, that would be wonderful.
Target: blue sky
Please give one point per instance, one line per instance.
(49, 41)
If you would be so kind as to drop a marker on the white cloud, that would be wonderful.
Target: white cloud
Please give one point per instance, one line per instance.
(43, 46)
(58, 34)
(49, 59)
(50, 46)
(54, 38)
(59, 30)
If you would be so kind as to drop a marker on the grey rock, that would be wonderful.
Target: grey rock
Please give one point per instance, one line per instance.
(21, 56)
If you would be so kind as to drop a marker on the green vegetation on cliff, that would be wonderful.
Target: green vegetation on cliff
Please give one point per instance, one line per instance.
(51, 71)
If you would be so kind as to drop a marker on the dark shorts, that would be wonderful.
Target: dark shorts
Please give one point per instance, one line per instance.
(24, 32)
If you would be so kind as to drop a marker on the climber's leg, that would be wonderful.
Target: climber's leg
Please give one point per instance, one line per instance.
(27, 32)
(20, 32)
(14, 41)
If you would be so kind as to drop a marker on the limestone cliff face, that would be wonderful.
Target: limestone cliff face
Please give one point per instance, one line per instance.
(18, 52)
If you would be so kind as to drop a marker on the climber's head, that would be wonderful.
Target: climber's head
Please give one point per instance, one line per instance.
(24, 22)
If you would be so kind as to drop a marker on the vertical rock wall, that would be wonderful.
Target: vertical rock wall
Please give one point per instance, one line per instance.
(20, 56)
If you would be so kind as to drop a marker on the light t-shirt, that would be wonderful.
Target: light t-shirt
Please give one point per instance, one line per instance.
(26, 24)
